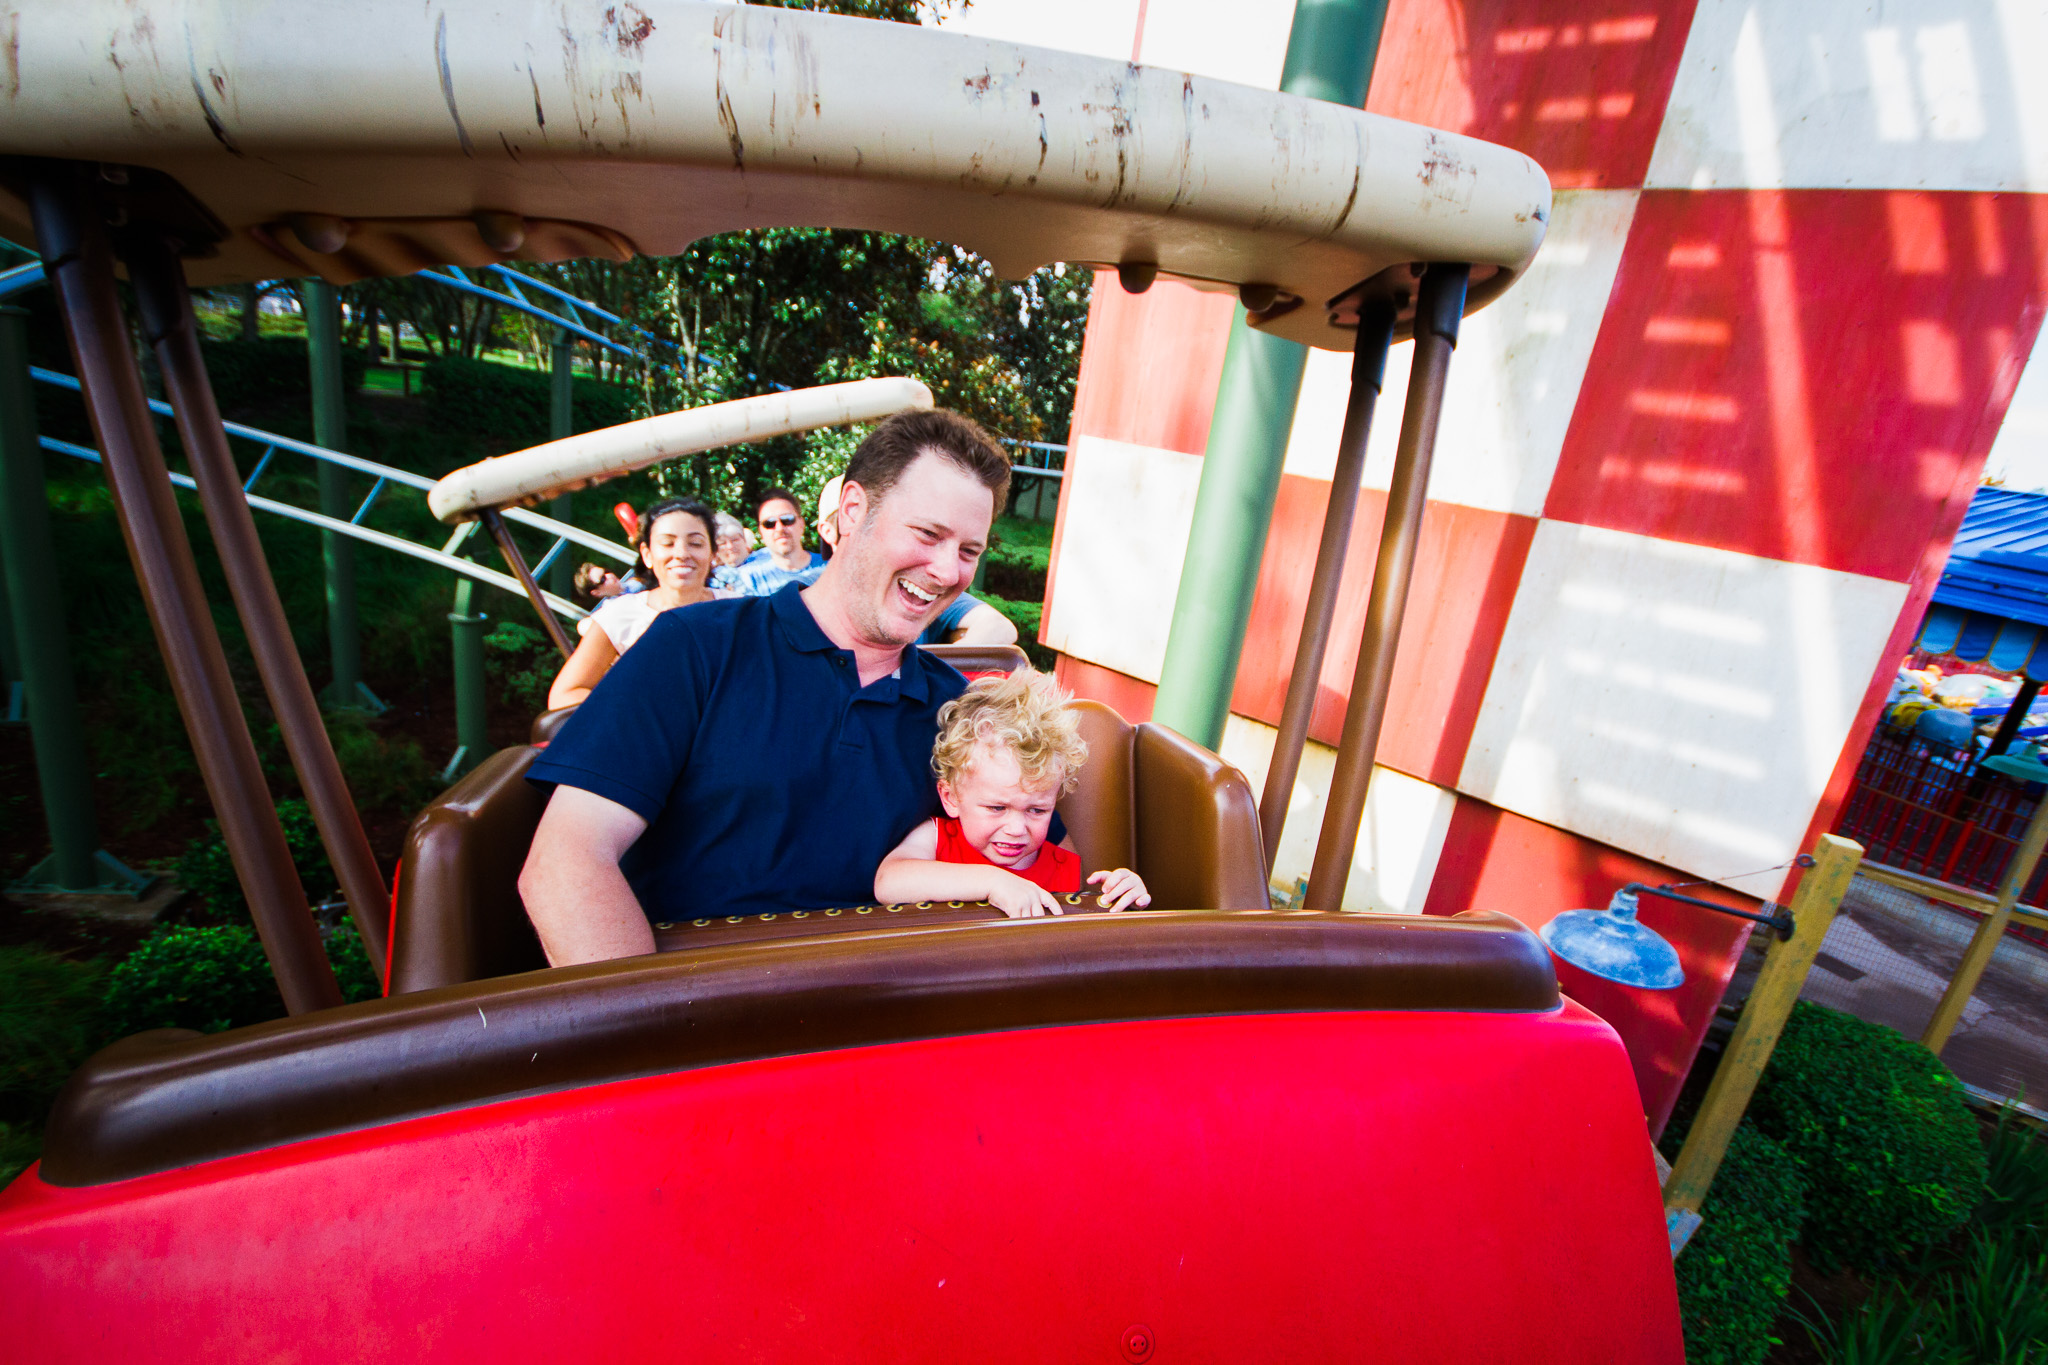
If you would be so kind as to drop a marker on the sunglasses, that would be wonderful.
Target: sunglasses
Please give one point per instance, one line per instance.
(770, 523)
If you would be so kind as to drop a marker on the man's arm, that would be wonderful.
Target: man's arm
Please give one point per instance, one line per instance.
(578, 900)
(985, 626)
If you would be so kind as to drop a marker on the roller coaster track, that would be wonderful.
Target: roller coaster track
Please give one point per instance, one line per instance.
(385, 479)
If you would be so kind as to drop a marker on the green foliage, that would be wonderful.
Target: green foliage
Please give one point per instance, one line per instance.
(358, 977)
(48, 1025)
(1993, 1308)
(20, 1144)
(216, 977)
(260, 370)
(383, 772)
(520, 664)
(2016, 1183)
(1891, 1328)
(207, 871)
(1733, 1275)
(207, 978)
(509, 408)
(1878, 1126)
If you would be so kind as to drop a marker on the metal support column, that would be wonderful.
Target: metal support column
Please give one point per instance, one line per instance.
(169, 327)
(1439, 307)
(1368, 376)
(1330, 53)
(516, 562)
(70, 229)
(466, 631)
(561, 424)
(33, 589)
(330, 429)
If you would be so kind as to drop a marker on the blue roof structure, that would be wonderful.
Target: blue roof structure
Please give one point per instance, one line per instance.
(1992, 601)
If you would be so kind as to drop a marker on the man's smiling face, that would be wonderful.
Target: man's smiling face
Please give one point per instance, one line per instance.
(910, 554)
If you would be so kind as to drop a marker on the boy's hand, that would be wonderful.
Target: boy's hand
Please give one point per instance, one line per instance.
(1021, 899)
(1121, 889)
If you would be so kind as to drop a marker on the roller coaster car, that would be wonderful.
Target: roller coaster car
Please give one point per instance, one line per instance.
(1209, 1131)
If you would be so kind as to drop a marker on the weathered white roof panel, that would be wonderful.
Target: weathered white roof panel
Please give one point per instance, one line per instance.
(663, 122)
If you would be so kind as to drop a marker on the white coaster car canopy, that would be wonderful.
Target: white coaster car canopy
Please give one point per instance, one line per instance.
(384, 136)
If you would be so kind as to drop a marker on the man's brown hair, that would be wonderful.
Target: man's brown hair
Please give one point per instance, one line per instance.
(893, 446)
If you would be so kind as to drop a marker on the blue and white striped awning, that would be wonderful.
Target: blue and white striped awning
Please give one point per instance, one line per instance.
(1991, 605)
(2007, 645)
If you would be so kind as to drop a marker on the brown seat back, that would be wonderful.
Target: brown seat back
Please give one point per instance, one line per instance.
(548, 723)
(459, 916)
(1098, 812)
(1197, 826)
(977, 660)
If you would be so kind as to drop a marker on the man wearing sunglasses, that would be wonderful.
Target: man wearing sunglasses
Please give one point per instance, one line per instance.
(782, 557)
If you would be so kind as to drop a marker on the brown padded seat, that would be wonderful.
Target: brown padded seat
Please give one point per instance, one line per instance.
(173, 1098)
(1148, 799)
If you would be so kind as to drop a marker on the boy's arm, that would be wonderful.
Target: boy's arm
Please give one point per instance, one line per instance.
(911, 873)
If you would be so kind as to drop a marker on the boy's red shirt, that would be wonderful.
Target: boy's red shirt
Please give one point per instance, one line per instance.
(1056, 869)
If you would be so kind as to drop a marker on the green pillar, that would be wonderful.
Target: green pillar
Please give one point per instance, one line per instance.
(1330, 52)
(466, 627)
(330, 429)
(33, 589)
(561, 423)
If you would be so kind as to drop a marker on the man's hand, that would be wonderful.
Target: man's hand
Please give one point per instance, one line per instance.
(579, 902)
(1121, 889)
(1021, 899)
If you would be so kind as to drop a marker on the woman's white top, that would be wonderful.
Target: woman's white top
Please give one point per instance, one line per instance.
(625, 618)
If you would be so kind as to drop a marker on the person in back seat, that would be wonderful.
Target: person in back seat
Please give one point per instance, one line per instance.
(763, 753)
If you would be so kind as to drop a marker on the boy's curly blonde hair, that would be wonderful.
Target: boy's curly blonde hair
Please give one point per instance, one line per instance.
(1024, 712)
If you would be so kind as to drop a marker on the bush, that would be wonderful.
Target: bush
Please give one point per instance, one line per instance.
(520, 664)
(1733, 1275)
(512, 407)
(207, 871)
(49, 1008)
(207, 978)
(246, 372)
(383, 772)
(215, 978)
(1890, 1154)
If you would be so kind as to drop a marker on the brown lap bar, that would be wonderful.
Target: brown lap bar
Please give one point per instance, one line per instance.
(172, 1098)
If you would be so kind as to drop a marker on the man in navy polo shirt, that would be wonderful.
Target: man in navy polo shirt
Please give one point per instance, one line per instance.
(764, 753)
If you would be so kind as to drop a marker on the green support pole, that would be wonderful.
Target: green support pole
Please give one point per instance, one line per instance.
(561, 423)
(1330, 52)
(33, 591)
(330, 429)
(466, 627)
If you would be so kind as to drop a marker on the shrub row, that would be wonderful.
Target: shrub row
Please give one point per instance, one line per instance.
(1857, 1146)
(511, 407)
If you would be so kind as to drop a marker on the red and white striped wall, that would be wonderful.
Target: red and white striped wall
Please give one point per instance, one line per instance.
(1698, 470)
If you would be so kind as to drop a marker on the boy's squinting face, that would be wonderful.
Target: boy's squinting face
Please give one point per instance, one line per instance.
(1001, 817)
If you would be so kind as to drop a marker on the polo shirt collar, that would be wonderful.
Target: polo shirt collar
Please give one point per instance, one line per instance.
(801, 630)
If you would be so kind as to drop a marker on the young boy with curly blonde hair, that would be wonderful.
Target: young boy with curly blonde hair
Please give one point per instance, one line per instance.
(1008, 748)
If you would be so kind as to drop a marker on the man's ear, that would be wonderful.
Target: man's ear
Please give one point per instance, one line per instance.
(946, 796)
(854, 506)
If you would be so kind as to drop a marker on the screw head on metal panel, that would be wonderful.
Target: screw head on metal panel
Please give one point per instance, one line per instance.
(1137, 1343)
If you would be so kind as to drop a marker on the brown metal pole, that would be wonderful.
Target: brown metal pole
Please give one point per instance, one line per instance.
(167, 322)
(80, 263)
(516, 562)
(1439, 305)
(1368, 375)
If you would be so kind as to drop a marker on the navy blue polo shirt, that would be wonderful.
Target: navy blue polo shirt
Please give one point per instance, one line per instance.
(770, 779)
